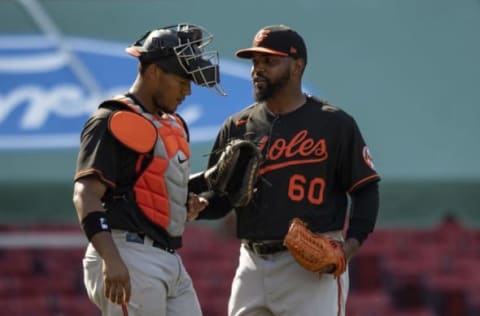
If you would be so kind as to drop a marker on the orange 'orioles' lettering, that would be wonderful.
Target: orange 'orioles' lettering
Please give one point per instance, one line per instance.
(299, 150)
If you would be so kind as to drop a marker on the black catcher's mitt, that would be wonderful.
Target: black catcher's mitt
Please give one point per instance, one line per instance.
(236, 172)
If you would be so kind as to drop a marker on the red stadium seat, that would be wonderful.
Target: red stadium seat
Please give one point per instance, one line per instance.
(419, 311)
(75, 305)
(398, 272)
(366, 272)
(371, 303)
(16, 262)
(40, 305)
(448, 294)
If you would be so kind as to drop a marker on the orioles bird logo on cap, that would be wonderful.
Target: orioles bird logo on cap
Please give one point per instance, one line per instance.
(260, 37)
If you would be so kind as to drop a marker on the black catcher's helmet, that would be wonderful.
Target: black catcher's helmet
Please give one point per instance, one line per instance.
(180, 49)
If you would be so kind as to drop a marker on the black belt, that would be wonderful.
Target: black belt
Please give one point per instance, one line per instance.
(140, 239)
(266, 247)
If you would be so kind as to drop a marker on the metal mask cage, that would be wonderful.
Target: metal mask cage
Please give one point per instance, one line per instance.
(187, 43)
(203, 66)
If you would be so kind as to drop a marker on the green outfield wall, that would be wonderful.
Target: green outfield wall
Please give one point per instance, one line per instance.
(408, 71)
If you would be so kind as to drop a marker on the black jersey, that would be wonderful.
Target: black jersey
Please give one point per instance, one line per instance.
(314, 156)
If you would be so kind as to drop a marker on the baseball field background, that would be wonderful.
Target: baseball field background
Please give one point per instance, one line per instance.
(408, 71)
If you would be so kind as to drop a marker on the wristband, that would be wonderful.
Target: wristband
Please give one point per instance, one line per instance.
(94, 223)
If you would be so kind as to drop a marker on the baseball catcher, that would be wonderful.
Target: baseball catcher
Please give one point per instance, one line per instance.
(236, 172)
(314, 252)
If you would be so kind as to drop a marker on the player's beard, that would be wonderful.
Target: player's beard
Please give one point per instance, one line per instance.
(270, 88)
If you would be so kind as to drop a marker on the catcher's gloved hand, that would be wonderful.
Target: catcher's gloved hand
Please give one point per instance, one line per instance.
(314, 251)
(236, 172)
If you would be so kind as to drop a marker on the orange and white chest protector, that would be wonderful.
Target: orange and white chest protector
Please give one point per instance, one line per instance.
(162, 187)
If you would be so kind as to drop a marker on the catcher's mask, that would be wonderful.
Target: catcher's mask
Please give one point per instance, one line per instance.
(179, 49)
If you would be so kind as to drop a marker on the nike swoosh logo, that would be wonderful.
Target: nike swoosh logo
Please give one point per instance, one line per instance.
(180, 160)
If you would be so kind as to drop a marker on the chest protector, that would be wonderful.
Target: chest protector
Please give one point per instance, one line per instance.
(161, 188)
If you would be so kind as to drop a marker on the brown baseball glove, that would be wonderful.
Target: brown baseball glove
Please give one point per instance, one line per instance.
(314, 251)
(236, 171)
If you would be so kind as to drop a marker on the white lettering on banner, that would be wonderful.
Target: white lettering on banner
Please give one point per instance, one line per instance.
(37, 104)
(45, 104)
(66, 101)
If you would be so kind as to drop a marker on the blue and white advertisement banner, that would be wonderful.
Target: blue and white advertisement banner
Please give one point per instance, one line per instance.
(48, 90)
